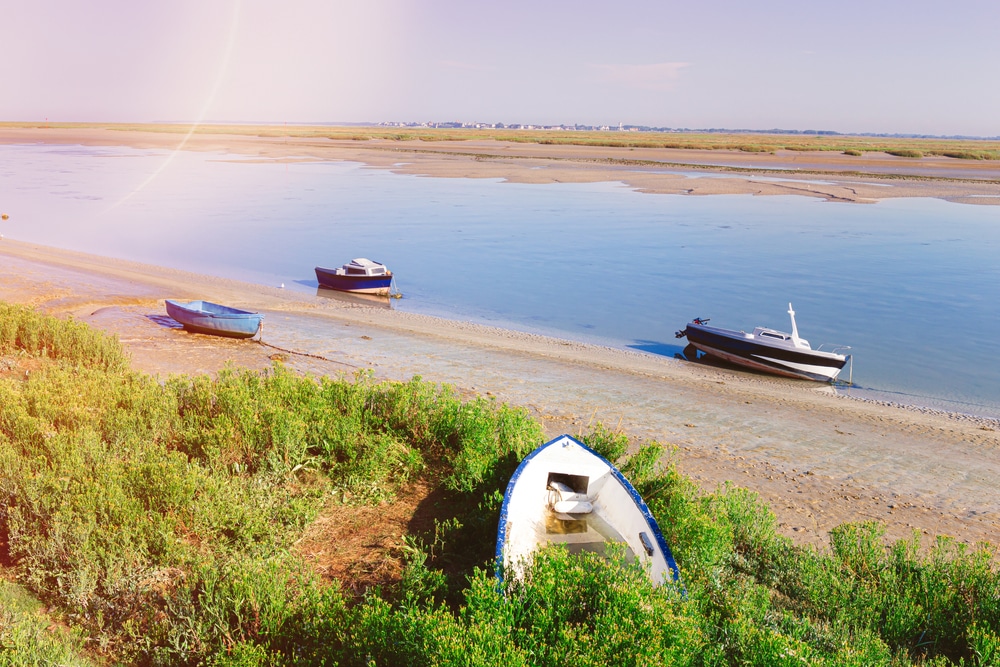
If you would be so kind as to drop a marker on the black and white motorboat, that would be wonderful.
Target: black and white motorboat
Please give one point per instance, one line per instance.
(765, 350)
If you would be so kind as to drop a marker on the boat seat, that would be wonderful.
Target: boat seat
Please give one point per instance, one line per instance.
(564, 500)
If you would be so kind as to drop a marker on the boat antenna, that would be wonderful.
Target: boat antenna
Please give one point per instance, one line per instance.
(795, 330)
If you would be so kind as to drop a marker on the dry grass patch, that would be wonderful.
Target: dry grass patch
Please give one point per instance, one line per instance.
(17, 367)
(361, 546)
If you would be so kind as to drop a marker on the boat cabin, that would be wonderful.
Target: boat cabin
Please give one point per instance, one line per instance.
(779, 339)
(363, 267)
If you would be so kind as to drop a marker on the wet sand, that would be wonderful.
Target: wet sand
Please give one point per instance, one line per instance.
(816, 458)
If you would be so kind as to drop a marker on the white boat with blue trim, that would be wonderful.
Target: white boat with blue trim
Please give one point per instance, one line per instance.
(766, 350)
(566, 493)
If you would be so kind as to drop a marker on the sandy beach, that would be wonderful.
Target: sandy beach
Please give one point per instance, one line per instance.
(818, 459)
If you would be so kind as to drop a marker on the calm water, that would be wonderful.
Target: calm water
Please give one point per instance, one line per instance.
(913, 286)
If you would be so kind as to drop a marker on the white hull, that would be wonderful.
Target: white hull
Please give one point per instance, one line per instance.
(566, 493)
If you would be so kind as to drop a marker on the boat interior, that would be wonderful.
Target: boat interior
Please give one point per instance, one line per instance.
(571, 518)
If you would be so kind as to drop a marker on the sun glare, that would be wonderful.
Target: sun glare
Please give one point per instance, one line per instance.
(206, 107)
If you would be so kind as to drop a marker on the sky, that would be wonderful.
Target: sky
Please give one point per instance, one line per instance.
(852, 66)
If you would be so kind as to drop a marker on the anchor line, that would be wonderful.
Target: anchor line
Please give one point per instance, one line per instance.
(306, 354)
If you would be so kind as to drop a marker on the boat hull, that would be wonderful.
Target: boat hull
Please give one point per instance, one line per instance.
(530, 517)
(329, 279)
(205, 317)
(735, 347)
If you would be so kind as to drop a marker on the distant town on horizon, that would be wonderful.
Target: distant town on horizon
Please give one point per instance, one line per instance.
(623, 127)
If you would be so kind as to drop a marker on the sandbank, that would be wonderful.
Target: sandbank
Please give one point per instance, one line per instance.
(825, 175)
(818, 459)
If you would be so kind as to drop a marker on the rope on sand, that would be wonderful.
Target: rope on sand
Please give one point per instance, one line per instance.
(306, 354)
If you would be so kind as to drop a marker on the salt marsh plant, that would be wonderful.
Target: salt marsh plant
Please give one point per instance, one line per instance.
(22, 331)
(158, 522)
(29, 636)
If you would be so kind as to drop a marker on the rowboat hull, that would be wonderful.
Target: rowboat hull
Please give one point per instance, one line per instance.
(566, 493)
(205, 317)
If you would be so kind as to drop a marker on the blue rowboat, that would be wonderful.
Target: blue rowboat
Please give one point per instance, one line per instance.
(566, 493)
(211, 318)
(359, 275)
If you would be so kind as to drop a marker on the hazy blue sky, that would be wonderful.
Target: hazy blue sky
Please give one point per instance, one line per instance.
(909, 66)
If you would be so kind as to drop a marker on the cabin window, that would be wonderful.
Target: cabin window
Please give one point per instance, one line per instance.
(378, 272)
(357, 272)
(578, 483)
(771, 335)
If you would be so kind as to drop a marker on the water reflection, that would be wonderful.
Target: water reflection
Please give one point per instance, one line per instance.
(372, 300)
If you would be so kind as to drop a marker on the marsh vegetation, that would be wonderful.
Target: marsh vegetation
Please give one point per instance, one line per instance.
(147, 522)
(911, 147)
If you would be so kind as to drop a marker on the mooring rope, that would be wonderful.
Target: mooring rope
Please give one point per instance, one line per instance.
(305, 354)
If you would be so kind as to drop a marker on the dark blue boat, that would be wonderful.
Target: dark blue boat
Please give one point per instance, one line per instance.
(211, 318)
(359, 275)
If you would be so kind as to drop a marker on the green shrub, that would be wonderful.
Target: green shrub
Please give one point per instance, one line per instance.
(612, 445)
(24, 330)
(28, 636)
(158, 521)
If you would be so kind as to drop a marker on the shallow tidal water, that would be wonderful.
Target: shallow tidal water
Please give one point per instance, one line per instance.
(911, 285)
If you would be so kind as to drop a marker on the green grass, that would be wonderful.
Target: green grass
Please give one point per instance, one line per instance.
(157, 521)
